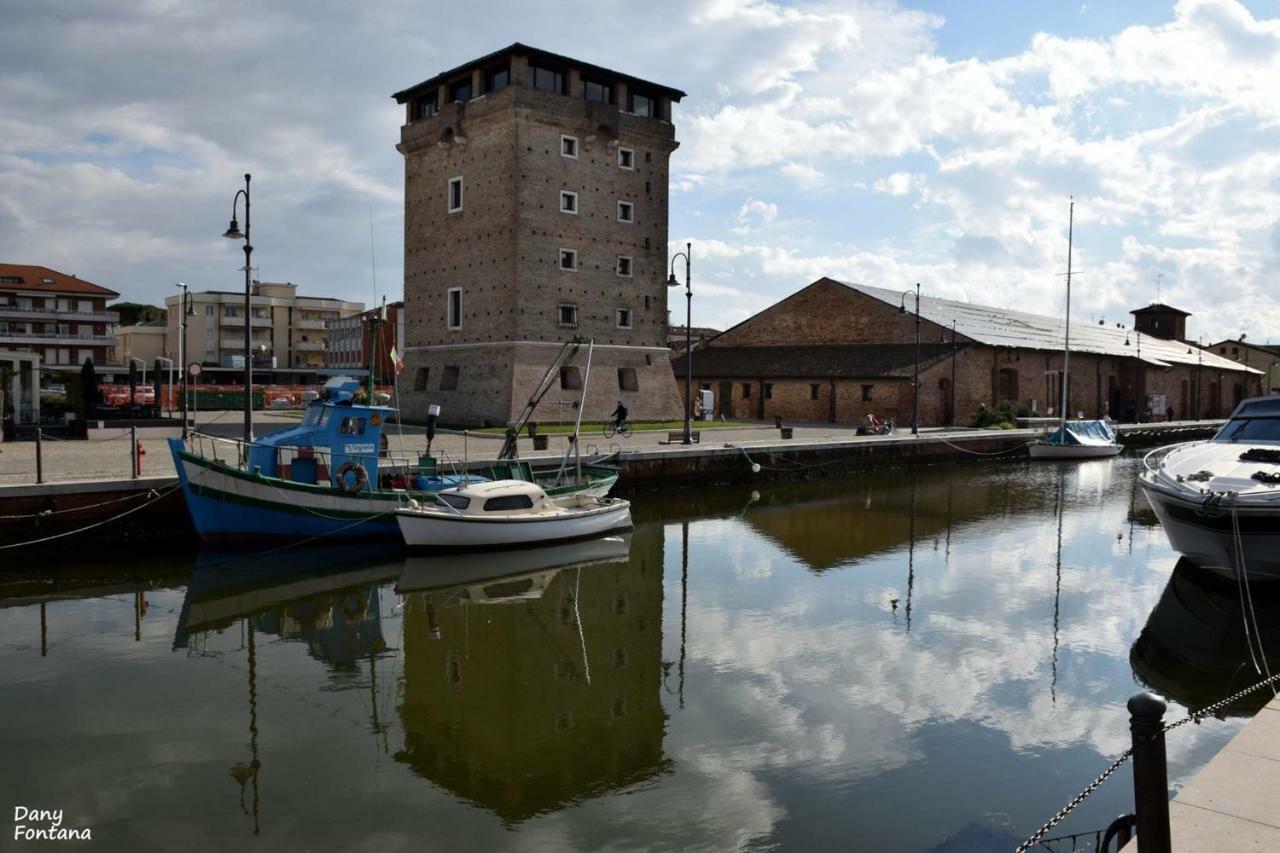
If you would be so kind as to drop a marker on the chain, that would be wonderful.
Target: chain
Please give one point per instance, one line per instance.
(1077, 800)
(1195, 716)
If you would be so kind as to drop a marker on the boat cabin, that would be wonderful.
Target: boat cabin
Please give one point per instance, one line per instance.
(338, 443)
(509, 497)
(1255, 421)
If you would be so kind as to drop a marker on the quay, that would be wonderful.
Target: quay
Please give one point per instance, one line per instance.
(90, 482)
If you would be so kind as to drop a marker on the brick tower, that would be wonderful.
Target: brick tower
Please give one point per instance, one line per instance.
(535, 201)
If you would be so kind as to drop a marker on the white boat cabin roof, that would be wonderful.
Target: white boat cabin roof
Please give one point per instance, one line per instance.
(498, 489)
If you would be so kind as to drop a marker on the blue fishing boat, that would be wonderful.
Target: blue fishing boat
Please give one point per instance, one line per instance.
(330, 476)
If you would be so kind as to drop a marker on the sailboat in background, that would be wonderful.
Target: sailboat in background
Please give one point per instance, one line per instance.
(1077, 439)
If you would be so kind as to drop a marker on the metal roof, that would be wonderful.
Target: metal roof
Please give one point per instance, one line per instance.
(1001, 327)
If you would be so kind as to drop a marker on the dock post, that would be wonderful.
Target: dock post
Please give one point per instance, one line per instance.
(1150, 773)
(133, 449)
(39, 457)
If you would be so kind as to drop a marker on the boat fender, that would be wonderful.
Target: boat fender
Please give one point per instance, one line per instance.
(360, 482)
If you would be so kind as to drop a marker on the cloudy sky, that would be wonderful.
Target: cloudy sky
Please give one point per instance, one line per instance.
(881, 142)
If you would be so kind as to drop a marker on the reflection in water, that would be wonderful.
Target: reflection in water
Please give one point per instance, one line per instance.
(525, 694)
(1194, 647)
(548, 699)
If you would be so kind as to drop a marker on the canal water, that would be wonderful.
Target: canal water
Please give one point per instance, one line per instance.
(929, 660)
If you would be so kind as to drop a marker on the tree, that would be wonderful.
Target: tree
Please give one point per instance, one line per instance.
(90, 395)
(136, 313)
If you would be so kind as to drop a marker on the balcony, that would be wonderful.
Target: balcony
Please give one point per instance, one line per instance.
(231, 321)
(55, 339)
(309, 346)
(309, 324)
(13, 312)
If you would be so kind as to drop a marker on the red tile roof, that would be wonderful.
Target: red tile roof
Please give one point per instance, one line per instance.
(24, 277)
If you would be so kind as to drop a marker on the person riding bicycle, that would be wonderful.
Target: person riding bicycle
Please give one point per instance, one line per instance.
(619, 415)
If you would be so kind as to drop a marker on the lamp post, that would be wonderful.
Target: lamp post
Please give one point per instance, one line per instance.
(953, 374)
(233, 233)
(1140, 382)
(688, 334)
(183, 308)
(915, 385)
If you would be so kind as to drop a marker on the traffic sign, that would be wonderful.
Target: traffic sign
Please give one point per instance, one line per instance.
(194, 368)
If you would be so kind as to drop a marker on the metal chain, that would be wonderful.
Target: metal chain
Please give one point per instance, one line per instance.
(1195, 716)
(1077, 800)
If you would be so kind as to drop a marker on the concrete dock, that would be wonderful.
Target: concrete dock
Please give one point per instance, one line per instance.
(1230, 805)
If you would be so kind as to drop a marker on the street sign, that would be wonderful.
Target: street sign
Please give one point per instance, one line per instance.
(194, 368)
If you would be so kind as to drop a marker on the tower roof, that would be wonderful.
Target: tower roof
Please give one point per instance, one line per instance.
(1159, 308)
(535, 56)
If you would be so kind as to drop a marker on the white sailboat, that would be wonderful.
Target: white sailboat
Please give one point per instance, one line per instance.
(1077, 439)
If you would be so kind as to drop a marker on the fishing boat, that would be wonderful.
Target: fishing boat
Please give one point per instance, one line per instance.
(1077, 439)
(507, 513)
(329, 476)
(1219, 500)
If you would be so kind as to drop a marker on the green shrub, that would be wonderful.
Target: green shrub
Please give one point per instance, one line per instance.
(1003, 415)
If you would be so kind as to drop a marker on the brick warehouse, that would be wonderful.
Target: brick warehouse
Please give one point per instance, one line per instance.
(835, 352)
(535, 212)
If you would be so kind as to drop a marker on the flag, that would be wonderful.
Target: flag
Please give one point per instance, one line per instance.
(396, 361)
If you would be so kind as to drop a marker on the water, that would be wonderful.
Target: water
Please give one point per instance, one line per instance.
(901, 661)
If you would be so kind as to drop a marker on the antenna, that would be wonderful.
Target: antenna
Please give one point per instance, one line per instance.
(373, 261)
(1159, 280)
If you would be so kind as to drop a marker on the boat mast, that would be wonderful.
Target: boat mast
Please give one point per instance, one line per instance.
(582, 404)
(1066, 341)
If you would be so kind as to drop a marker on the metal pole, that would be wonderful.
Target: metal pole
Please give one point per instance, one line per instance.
(688, 344)
(1150, 773)
(915, 394)
(953, 373)
(248, 324)
(182, 354)
(39, 456)
(133, 449)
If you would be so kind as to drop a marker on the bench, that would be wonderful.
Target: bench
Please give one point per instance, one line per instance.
(676, 436)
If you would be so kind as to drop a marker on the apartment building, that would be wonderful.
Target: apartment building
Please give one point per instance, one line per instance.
(287, 329)
(351, 343)
(536, 213)
(59, 317)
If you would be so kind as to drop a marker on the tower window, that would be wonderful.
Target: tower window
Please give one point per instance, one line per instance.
(460, 91)
(568, 259)
(624, 318)
(624, 266)
(449, 378)
(497, 79)
(455, 194)
(626, 158)
(570, 378)
(427, 106)
(568, 202)
(626, 212)
(627, 381)
(642, 105)
(455, 308)
(567, 314)
(547, 80)
(569, 147)
(600, 93)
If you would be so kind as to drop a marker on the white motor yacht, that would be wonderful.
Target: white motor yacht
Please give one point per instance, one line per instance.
(1219, 500)
(506, 513)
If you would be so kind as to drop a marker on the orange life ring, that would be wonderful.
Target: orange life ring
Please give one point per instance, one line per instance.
(362, 477)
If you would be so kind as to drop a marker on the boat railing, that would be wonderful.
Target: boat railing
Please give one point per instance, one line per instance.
(1151, 461)
(222, 449)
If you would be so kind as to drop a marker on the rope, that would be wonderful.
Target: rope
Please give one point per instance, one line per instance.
(158, 496)
(49, 512)
(1249, 616)
(982, 453)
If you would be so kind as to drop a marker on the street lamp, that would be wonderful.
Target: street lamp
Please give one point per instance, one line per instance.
(688, 334)
(184, 311)
(1141, 383)
(233, 233)
(915, 385)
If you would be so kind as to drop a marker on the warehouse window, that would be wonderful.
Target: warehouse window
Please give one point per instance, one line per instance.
(815, 391)
(746, 390)
(866, 392)
(768, 391)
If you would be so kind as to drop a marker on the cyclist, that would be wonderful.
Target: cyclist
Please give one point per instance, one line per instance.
(619, 416)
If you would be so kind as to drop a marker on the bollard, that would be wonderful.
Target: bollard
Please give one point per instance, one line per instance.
(133, 449)
(39, 458)
(1150, 773)
(786, 432)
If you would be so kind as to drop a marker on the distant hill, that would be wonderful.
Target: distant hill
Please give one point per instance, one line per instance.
(135, 313)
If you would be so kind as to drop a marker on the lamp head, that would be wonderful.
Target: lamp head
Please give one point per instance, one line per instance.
(671, 280)
(233, 231)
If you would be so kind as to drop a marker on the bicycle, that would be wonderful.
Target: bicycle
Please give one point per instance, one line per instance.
(623, 429)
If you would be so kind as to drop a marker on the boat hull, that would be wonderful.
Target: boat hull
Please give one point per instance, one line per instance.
(1074, 451)
(436, 529)
(1206, 536)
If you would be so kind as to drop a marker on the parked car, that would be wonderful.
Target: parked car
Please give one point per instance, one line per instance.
(308, 396)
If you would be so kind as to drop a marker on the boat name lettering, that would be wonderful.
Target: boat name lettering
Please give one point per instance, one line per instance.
(357, 448)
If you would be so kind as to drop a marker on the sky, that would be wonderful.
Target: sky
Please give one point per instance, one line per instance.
(878, 142)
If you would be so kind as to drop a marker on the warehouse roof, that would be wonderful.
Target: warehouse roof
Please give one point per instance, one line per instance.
(814, 361)
(1002, 327)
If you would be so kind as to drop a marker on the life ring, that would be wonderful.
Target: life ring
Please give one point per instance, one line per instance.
(362, 477)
